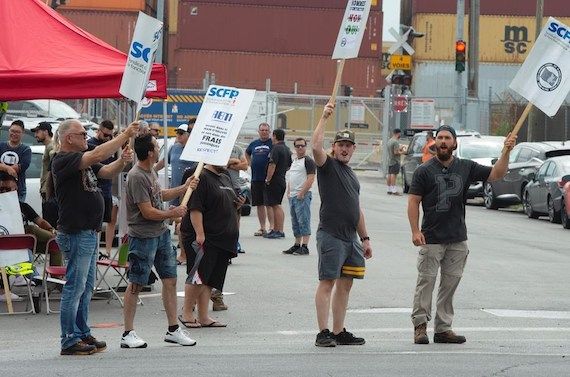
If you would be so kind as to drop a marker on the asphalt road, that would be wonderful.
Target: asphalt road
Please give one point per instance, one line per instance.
(512, 306)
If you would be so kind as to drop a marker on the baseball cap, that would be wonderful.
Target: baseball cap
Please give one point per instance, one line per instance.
(46, 126)
(448, 129)
(344, 135)
(183, 127)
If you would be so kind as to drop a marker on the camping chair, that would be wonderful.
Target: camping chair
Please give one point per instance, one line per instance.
(17, 242)
(118, 263)
(52, 274)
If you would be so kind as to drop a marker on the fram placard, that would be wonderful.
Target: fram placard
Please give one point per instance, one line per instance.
(218, 124)
(352, 29)
(543, 77)
(146, 38)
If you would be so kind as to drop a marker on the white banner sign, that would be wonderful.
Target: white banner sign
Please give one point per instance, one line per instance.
(11, 223)
(423, 113)
(141, 56)
(352, 29)
(543, 77)
(218, 124)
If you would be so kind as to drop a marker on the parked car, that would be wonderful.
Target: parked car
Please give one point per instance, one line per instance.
(39, 110)
(413, 156)
(483, 150)
(28, 137)
(524, 160)
(543, 193)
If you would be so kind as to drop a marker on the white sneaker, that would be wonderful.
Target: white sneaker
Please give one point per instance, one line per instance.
(14, 297)
(132, 340)
(179, 336)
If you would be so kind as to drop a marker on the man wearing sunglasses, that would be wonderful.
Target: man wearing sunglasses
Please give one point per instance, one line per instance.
(104, 134)
(75, 171)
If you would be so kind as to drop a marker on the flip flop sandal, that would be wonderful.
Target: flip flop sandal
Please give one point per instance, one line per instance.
(214, 324)
(190, 324)
(260, 233)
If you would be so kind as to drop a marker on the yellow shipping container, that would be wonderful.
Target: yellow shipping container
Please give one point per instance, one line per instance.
(128, 5)
(503, 39)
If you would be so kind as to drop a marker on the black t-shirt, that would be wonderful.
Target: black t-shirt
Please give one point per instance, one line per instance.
(104, 184)
(444, 193)
(280, 156)
(214, 197)
(79, 198)
(340, 204)
(28, 213)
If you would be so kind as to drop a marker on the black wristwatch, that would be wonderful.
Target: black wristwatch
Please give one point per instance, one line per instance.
(362, 239)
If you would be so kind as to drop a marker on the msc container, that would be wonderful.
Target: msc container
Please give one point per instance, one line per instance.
(332, 4)
(502, 39)
(115, 28)
(555, 8)
(313, 74)
(281, 30)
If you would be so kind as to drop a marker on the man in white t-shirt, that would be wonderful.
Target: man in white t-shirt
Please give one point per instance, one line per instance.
(301, 178)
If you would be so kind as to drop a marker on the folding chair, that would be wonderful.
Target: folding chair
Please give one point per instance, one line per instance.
(120, 265)
(16, 242)
(52, 274)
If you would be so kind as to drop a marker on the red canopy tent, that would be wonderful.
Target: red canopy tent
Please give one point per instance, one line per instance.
(42, 55)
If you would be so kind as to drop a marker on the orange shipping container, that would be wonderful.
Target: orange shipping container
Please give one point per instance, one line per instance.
(503, 39)
(130, 5)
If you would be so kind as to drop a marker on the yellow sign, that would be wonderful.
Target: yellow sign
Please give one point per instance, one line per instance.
(400, 62)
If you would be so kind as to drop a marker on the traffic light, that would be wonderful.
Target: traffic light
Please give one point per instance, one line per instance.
(401, 79)
(460, 47)
(347, 90)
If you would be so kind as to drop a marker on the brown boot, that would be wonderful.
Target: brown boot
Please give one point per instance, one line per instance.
(448, 337)
(420, 334)
(218, 301)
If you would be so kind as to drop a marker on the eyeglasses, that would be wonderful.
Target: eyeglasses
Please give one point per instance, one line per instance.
(300, 146)
(84, 134)
(107, 136)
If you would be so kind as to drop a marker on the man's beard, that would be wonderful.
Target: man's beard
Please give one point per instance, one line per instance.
(444, 155)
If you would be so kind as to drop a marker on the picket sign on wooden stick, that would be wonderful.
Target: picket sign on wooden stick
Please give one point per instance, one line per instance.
(189, 190)
(520, 122)
(337, 81)
(7, 292)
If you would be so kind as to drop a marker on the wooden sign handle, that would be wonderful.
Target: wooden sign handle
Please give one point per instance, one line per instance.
(7, 292)
(520, 122)
(189, 191)
(339, 69)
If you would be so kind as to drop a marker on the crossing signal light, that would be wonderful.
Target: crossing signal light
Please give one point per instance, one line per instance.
(460, 49)
(402, 79)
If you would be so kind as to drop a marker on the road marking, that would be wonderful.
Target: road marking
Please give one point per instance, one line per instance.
(549, 314)
(381, 310)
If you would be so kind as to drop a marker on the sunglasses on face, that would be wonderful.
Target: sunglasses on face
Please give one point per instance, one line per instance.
(84, 134)
(300, 146)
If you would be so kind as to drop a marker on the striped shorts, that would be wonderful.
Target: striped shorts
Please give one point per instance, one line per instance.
(339, 258)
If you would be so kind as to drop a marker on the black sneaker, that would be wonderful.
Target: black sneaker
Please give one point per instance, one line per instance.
(79, 348)
(99, 344)
(346, 338)
(292, 249)
(303, 250)
(325, 339)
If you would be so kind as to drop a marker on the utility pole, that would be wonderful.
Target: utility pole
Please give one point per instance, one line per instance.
(534, 112)
(459, 90)
(473, 51)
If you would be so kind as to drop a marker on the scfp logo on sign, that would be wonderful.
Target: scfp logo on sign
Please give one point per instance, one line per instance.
(560, 30)
(223, 92)
(139, 51)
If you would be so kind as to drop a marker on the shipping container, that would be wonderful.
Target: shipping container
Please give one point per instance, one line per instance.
(304, 31)
(332, 4)
(115, 28)
(555, 8)
(502, 39)
(313, 74)
(124, 5)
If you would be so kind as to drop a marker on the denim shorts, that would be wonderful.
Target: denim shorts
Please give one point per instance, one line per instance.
(301, 215)
(146, 252)
(339, 258)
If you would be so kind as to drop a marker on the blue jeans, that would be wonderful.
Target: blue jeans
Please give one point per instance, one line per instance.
(80, 252)
(301, 215)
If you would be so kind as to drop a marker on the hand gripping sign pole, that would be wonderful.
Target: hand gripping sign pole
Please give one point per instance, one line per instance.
(349, 37)
(543, 79)
(217, 127)
(146, 38)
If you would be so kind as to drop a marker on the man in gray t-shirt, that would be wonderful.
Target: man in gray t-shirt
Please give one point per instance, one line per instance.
(149, 241)
(394, 153)
(441, 185)
(341, 254)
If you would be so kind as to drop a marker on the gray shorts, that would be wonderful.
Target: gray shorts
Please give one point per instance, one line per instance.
(339, 258)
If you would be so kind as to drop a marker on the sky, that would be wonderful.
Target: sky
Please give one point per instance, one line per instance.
(391, 9)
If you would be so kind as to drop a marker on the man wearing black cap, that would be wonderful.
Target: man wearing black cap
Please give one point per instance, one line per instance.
(440, 185)
(44, 135)
(341, 254)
